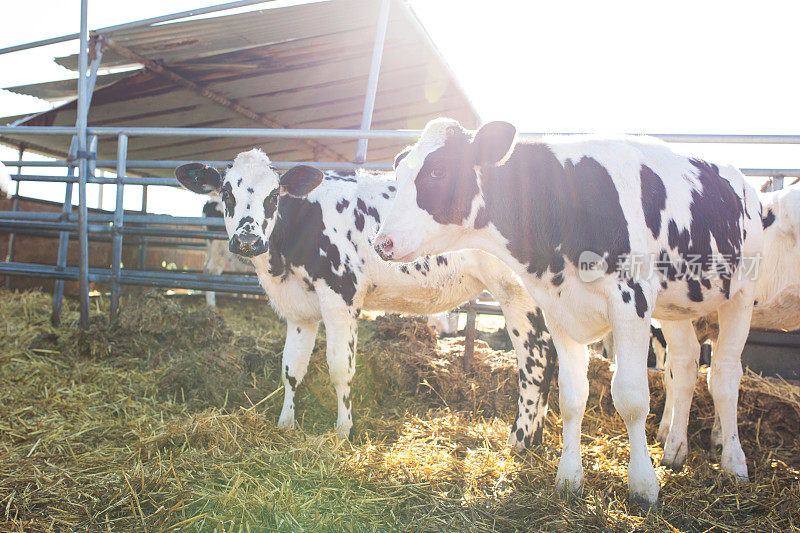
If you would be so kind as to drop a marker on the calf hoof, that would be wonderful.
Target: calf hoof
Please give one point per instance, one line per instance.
(643, 484)
(675, 454)
(642, 503)
(736, 465)
(569, 492)
(287, 422)
(569, 484)
(343, 430)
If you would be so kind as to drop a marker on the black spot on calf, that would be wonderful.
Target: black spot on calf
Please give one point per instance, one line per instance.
(297, 240)
(549, 211)
(654, 199)
(767, 221)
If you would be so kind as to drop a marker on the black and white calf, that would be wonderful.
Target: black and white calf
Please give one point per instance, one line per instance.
(308, 236)
(605, 234)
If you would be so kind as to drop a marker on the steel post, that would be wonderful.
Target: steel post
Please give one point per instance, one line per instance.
(143, 244)
(63, 240)
(372, 81)
(469, 336)
(83, 167)
(12, 237)
(116, 251)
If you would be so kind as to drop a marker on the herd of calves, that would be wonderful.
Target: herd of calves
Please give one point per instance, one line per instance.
(578, 238)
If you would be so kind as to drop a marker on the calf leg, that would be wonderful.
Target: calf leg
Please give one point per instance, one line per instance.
(669, 401)
(536, 357)
(341, 331)
(216, 259)
(659, 345)
(629, 389)
(726, 372)
(716, 430)
(684, 358)
(536, 362)
(296, 352)
(715, 442)
(573, 391)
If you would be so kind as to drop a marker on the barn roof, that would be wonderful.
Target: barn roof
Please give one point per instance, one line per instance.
(303, 66)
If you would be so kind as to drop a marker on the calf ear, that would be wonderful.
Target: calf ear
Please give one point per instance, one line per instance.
(300, 180)
(399, 157)
(199, 178)
(492, 142)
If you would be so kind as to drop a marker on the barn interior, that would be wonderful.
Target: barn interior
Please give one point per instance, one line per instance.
(162, 416)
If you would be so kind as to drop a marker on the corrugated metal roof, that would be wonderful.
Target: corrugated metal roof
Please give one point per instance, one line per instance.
(303, 66)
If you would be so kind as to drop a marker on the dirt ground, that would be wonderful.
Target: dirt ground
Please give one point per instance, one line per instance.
(165, 420)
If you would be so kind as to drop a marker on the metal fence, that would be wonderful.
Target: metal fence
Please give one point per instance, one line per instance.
(82, 161)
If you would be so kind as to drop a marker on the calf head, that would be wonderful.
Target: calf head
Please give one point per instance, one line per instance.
(250, 191)
(438, 188)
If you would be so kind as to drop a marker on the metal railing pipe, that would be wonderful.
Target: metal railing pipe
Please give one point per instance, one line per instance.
(83, 167)
(63, 240)
(109, 218)
(116, 249)
(372, 81)
(280, 165)
(12, 237)
(344, 134)
(142, 260)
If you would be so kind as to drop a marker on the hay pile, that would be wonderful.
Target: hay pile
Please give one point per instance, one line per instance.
(137, 426)
(194, 355)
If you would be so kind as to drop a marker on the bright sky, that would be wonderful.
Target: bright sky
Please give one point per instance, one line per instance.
(684, 66)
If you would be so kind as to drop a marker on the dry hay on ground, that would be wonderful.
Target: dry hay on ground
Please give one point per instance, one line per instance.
(149, 423)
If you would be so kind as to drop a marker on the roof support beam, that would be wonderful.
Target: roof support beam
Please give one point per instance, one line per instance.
(216, 97)
(136, 24)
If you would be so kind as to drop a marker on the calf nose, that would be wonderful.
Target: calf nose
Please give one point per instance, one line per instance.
(243, 244)
(384, 246)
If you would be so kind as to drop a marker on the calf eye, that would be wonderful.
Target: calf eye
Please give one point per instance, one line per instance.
(437, 173)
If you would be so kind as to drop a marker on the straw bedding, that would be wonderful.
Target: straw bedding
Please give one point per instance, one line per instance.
(165, 419)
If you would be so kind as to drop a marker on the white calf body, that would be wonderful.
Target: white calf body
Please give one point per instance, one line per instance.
(574, 217)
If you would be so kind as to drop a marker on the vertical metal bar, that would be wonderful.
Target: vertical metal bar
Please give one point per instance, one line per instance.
(372, 81)
(469, 336)
(63, 238)
(83, 237)
(143, 242)
(12, 237)
(116, 251)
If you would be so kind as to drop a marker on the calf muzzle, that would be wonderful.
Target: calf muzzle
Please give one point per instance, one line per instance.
(247, 245)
